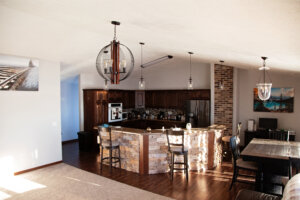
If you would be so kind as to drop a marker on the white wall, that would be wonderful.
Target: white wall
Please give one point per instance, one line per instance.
(170, 74)
(69, 108)
(30, 123)
(247, 80)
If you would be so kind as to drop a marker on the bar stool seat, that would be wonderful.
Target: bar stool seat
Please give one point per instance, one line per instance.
(176, 148)
(106, 142)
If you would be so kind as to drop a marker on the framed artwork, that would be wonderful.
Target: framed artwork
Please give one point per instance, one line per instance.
(19, 74)
(281, 100)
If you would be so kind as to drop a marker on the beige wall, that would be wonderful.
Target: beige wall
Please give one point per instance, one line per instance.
(247, 80)
(30, 127)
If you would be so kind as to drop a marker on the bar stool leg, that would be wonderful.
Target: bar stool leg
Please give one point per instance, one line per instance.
(172, 166)
(119, 157)
(110, 159)
(101, 158)
(186, 166)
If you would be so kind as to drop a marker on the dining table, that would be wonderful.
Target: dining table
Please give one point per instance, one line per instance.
(272, 149)
(273, 157)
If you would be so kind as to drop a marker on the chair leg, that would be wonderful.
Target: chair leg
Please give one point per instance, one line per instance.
(186, 166)
(172, 167)
(110, 159)
(119, 157)
(235, 171)
(101, 158)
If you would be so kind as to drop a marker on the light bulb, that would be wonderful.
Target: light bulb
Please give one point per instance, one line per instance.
(105, 85)
(190, 84)
(141, 84)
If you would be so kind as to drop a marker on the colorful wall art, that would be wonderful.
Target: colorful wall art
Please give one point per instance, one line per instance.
(281, 100)
(19, 74)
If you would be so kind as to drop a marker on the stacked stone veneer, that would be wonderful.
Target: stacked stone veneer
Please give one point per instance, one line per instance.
(130, 151)
(198, 142)
(224, 98)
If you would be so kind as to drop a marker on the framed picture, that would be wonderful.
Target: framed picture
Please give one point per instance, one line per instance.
(281, 100)
(19, 74)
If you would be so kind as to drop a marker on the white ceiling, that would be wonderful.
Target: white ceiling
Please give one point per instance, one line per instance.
(73, 31)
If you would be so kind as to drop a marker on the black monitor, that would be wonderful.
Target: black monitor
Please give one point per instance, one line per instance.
(268, 123)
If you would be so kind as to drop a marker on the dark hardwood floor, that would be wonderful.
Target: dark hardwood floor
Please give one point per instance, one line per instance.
(212, 184)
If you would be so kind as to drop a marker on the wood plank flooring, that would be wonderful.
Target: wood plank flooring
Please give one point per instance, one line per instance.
(209, 185)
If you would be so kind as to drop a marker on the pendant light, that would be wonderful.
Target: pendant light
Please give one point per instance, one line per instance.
(115, 61)
(190, 82)
(142, 81)
(221, 83)
(105, 84)
(264, 87)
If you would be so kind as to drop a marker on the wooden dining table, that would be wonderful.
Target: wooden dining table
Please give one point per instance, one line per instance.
(272, 149)
(273, 157)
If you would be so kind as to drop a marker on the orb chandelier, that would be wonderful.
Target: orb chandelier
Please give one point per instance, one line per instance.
(190, 82)
(115, 61)
(264, 87)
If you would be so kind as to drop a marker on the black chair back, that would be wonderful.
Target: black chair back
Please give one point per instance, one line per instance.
(235, 147)
(294, 163)
(179, 139)
(103, 133)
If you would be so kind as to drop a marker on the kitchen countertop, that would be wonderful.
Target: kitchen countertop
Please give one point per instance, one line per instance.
(160, 131)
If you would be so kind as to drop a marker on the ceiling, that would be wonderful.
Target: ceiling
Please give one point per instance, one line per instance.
(73, 31)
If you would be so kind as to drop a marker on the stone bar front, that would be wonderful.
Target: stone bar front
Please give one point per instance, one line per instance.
(147, 152)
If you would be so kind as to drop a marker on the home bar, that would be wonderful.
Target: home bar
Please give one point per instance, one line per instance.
(146, 152)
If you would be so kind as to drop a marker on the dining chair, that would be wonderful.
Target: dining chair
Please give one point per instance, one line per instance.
(106, 142)
(239, 163)
(294, 164)
(176, 148)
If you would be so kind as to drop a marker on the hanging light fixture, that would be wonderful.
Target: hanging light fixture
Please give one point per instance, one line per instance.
(115, 61)
(264, 87)
(221, 83)
(105, 84)
(190, 82)
(142, 81)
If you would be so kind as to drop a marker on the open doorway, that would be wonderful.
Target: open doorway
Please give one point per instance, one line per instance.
(69, 108)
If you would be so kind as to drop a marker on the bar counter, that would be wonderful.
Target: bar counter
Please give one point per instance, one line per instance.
(146, 152)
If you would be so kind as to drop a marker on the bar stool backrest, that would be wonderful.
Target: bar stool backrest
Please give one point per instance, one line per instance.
(105, 135)
(179, 139)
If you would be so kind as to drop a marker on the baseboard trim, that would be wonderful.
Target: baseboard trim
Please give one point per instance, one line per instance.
(69, 141)
(35, 168)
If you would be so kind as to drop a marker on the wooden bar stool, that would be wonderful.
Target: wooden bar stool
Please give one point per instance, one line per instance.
(176, 148)
(106, 142)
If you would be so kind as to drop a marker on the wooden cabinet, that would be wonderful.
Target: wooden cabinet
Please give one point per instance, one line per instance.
(140, 99)
(173, 99)
(95, 108)
(115, 96)
(96, 102)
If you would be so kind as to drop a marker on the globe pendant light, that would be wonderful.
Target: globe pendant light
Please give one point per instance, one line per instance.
(221, 84)
(142, 80)
(115, 61)
(190, 82)
(264, 87)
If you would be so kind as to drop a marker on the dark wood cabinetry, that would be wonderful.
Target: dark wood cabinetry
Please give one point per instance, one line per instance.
(173, 99)
(96, 102)
(95, 108)
(140, 99)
